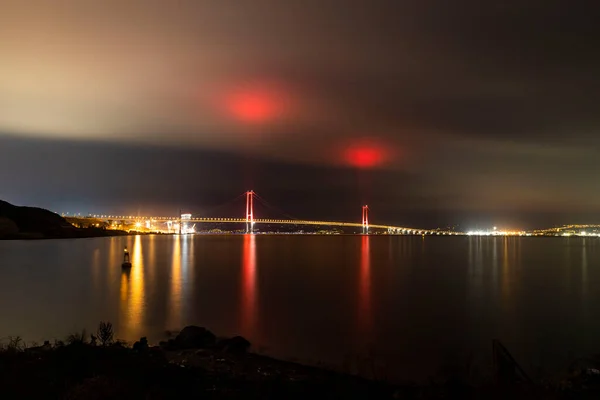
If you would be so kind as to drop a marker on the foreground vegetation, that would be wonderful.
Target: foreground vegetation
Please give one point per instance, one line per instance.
(195, 364)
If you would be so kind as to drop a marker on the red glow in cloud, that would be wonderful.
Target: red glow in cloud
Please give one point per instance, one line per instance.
(366, 155)
(256, 105)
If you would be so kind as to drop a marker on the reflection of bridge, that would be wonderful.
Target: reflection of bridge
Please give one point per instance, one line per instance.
(250, 221)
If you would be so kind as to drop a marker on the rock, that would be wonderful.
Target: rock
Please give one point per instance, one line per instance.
(39, 349)
(169, 345)
(97, 388)
(195, 337)
(234, 345)
(142, 345)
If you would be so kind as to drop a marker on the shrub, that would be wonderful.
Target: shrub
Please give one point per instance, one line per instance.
(105, 333)
(77, 337)
(15, 343)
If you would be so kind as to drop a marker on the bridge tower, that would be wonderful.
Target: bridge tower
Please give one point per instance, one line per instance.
(249, 211)
(365, 220)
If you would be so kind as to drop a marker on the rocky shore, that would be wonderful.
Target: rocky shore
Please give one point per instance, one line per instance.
(196, 364)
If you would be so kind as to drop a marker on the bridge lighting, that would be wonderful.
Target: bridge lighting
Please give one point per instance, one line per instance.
(251, 221)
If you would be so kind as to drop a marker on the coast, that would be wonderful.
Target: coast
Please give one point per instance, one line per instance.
(197, 364)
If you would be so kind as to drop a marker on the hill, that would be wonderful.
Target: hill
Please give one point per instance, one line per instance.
(37, 223)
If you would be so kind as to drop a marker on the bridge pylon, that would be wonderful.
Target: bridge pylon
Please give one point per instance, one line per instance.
(365, 220)
(249, 211)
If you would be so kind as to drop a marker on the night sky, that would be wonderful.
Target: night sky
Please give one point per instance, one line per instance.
(434, 112)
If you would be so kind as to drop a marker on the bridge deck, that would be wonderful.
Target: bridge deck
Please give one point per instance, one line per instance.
(265, 221)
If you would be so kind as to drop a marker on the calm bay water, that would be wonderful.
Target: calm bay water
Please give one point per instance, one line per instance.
(412, 303)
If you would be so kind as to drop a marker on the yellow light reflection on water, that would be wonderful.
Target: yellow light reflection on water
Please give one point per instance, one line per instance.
(152, 252)
(124, 293)
(505, 289)
(136, 304)
(115, 257)
(475, 270)
(132, 294)
(96, 269)
(175, 298)
(584, 269)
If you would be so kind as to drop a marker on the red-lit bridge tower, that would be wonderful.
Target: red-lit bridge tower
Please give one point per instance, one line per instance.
(365, 220)
(249, 211)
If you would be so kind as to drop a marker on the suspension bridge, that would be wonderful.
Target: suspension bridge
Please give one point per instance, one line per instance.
(251, 221)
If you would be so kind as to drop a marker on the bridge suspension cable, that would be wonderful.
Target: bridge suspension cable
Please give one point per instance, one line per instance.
(274, 208)
(221, 206)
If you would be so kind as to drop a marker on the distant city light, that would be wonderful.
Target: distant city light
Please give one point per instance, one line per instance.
(496, 232)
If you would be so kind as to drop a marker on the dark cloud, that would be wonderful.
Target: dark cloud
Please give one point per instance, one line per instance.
(487, 106)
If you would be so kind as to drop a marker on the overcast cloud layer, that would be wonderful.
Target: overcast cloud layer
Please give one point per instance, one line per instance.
(467, 105)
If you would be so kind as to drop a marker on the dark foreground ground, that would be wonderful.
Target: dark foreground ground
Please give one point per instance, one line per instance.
(200, 366)
(85, 372)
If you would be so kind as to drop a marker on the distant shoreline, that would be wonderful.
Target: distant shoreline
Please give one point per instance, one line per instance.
(80, 234)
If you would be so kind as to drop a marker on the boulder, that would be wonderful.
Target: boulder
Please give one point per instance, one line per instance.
(141, 345)
(234, 345)
(39, 349)
(195, 337)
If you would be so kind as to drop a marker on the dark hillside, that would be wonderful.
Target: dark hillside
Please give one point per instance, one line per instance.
(36, 223)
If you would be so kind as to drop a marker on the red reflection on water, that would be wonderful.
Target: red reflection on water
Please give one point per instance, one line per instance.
(248, 297)
(364, 295)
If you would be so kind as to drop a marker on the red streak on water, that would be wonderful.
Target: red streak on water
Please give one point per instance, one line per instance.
(364, 295)
(248, 306)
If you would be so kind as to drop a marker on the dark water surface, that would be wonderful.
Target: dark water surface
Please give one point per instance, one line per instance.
(411, 303)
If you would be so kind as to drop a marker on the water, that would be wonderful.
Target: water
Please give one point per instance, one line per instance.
(410, 303)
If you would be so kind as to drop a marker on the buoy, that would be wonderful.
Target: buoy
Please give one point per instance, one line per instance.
(126, 260)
